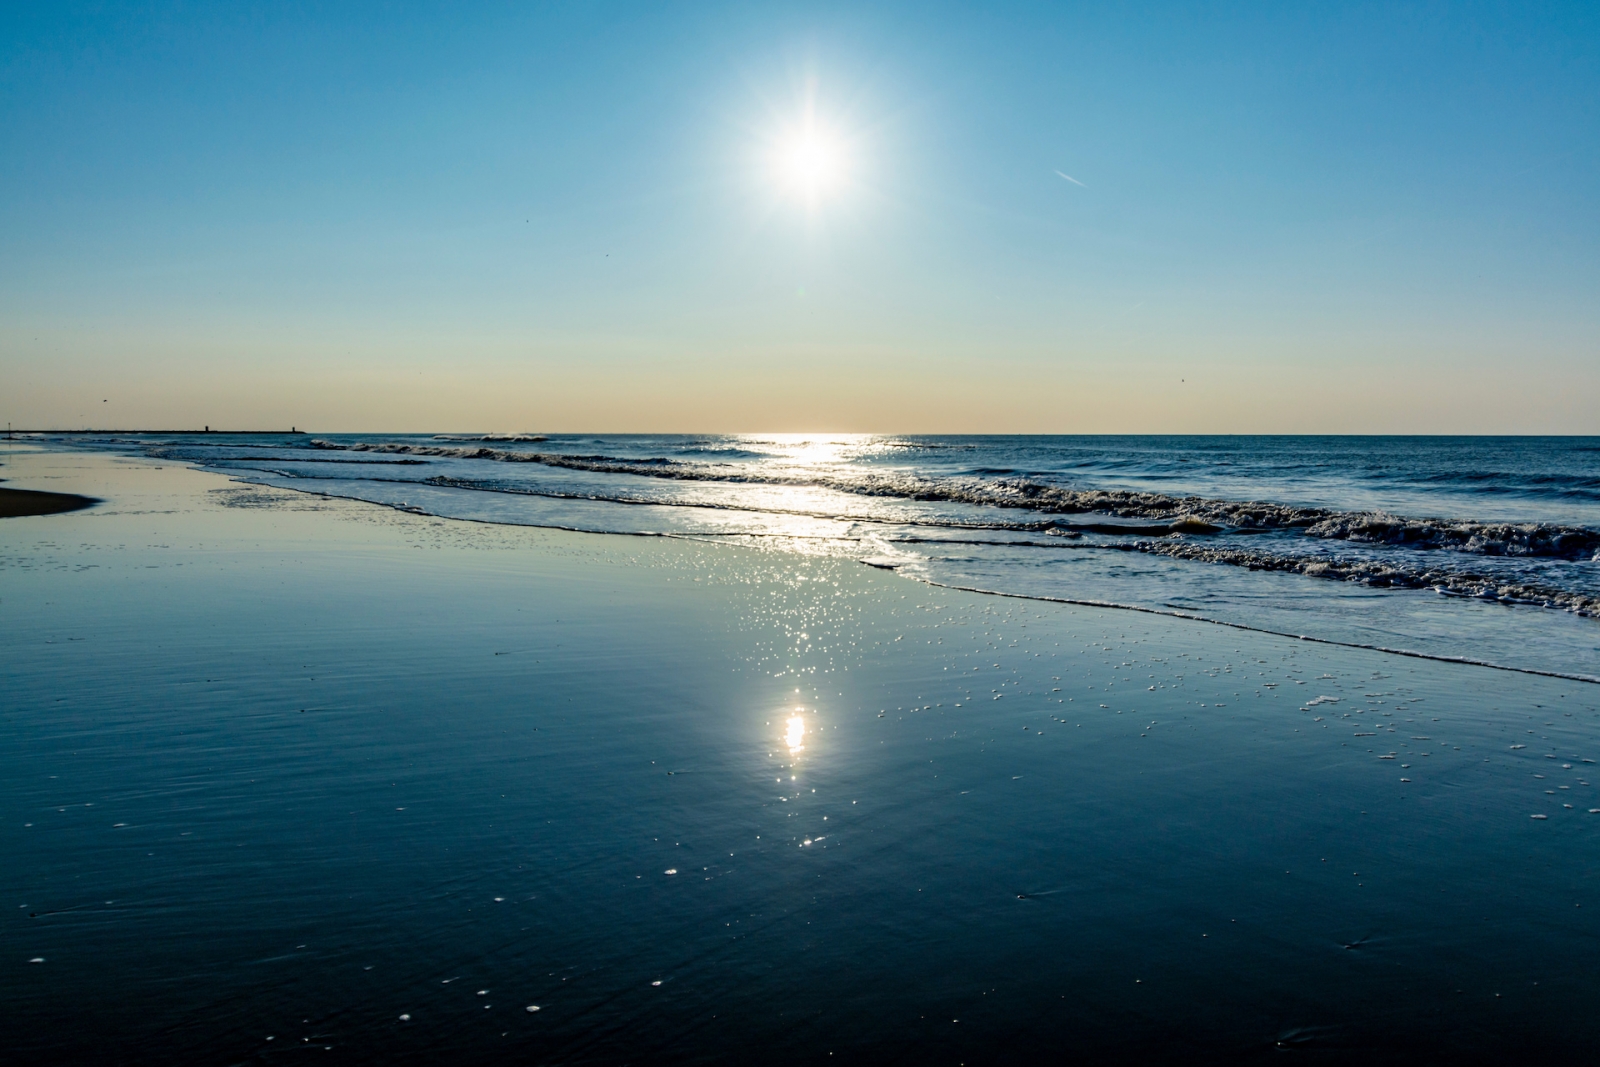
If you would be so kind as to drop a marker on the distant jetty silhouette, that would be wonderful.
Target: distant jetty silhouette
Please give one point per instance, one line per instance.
(203, 430)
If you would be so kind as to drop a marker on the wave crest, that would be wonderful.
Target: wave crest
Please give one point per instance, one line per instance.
(1194, 514)
(1380, 574)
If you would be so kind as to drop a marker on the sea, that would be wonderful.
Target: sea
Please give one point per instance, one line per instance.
(1484, 549)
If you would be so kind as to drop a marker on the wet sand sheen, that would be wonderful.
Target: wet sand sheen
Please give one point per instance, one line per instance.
(333, 775)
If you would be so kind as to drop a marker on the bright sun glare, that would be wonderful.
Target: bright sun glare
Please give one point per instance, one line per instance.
(810, 162)
(795, 735)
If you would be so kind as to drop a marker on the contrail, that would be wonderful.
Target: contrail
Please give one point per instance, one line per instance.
(1071, 179)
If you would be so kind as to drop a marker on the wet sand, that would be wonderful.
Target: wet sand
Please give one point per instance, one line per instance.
(284, 772)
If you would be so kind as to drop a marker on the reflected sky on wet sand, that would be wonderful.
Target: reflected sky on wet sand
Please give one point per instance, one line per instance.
(331, 776)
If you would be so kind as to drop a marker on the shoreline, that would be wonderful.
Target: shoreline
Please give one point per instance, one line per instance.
(1510, 594)
(243, 478)
(1173, 613)
(1107, 605)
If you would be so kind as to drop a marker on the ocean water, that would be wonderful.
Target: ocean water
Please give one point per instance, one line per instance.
(285, 777)
(1483, 548)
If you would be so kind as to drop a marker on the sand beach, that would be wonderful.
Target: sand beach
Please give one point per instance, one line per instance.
(287, 771)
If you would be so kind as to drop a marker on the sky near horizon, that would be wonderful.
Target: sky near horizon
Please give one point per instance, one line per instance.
(1043, 218)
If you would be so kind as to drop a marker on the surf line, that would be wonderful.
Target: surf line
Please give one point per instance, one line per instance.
(1171, 614)
(707, 538)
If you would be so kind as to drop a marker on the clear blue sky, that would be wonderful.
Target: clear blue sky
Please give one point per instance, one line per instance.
(510, 216)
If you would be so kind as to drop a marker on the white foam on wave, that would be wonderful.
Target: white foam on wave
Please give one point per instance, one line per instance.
(1194, 514)
(1380, 574)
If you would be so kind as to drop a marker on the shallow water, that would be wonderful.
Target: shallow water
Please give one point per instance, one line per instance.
(373, 783)
(1473, 547)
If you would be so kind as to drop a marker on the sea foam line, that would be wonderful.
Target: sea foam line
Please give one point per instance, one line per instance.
(1174, 614)
(1381, 575)
(713, 538)
(1200, 514)
(1371, 573)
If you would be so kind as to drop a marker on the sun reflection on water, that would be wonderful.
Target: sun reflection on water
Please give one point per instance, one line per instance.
(795, 735)
(800, 450)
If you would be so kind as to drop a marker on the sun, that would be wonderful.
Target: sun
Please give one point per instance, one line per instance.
(809, 162)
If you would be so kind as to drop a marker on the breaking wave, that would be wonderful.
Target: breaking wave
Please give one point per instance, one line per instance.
(1380, 574)
(1192, 514)
(1114, 521)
